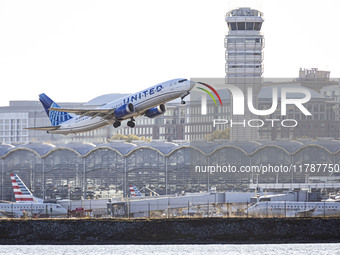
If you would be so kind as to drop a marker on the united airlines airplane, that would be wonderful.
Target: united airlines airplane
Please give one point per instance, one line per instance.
(27, 203)
(149, 102)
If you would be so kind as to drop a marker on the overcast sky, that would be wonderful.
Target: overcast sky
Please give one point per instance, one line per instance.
(76, 50)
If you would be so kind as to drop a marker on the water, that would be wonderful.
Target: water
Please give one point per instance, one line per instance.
(257, 249)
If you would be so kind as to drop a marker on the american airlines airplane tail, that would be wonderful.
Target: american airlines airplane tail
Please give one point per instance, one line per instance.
(55, 117)
(134, 191)
(21, 192)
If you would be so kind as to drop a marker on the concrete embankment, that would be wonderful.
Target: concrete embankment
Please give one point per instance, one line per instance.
(204, 230)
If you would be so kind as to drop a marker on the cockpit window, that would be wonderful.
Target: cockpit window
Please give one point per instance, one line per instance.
(182, 80)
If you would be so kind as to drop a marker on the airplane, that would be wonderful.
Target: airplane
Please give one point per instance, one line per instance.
(149, 102)
(134, 191)
(21, 193)
(27, 203)
(294, 209)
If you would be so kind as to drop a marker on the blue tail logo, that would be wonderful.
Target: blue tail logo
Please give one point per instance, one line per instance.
(55, 117)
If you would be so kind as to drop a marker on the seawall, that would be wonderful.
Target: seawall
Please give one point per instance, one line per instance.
(183, 230)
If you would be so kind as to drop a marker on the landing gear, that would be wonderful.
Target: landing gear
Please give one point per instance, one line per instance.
(182, 99)
(131, 123)
(116, 124)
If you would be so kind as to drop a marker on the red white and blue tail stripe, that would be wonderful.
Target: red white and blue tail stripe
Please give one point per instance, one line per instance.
(134, 191)
(21, 192)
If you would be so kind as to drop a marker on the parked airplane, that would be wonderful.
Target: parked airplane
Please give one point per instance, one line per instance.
(149, 102)
(134, 191)
(27, 203)
(294, 209)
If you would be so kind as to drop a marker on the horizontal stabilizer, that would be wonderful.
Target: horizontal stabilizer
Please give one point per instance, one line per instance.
(47, 128)
(104, 113)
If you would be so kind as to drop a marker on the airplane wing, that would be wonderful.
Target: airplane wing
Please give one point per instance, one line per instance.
(103, 113)
(7, 214)
(47, 128)
(306, 213)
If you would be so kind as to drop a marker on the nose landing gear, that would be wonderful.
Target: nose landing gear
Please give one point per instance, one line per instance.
(182, 98)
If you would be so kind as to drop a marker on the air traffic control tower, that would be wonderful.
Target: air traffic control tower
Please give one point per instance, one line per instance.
(244, 44)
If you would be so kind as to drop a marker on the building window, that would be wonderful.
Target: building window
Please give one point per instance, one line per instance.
(241, 25)
(233, 25)
(257, 26)
(250, 26)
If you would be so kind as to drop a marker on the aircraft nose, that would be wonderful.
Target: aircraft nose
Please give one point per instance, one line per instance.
(192, 84)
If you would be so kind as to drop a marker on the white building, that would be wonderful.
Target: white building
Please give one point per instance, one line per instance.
(333, 93)
(244, 43)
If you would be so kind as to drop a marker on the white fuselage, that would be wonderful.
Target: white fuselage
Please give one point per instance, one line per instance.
(142, 101)
(294, 209)
(18, 209)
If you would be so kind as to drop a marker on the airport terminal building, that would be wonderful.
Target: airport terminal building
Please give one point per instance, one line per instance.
(62, 171)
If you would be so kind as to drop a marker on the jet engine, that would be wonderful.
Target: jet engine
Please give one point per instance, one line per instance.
(124, 110)
(154, 112)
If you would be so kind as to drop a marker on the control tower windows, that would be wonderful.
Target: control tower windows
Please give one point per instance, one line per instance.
(258, 26)
(244, 40)
(232, 25)
(241, 26)
(250, 26)
(244, 26)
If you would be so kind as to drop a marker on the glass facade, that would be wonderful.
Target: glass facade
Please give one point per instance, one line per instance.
(59, 172)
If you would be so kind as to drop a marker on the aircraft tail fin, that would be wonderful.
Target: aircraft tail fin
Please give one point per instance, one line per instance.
(134, 191)
(55, 117)
(21, 192)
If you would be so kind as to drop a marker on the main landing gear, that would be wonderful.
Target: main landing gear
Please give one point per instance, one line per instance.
(131, 123)
(116, 124)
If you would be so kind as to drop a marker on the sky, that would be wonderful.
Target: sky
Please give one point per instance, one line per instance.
(75, 50)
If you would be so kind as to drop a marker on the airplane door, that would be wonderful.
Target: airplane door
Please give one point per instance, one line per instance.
(171, 86)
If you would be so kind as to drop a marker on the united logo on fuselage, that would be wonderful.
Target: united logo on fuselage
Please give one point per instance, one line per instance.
(143, 94)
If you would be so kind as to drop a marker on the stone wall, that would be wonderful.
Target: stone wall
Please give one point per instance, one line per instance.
(204, 230)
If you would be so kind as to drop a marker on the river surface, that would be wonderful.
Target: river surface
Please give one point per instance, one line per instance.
(258, 249)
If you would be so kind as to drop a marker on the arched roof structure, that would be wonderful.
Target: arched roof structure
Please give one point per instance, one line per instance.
(166, 148)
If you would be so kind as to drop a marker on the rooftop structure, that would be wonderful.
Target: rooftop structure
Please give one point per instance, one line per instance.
(313, 75)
